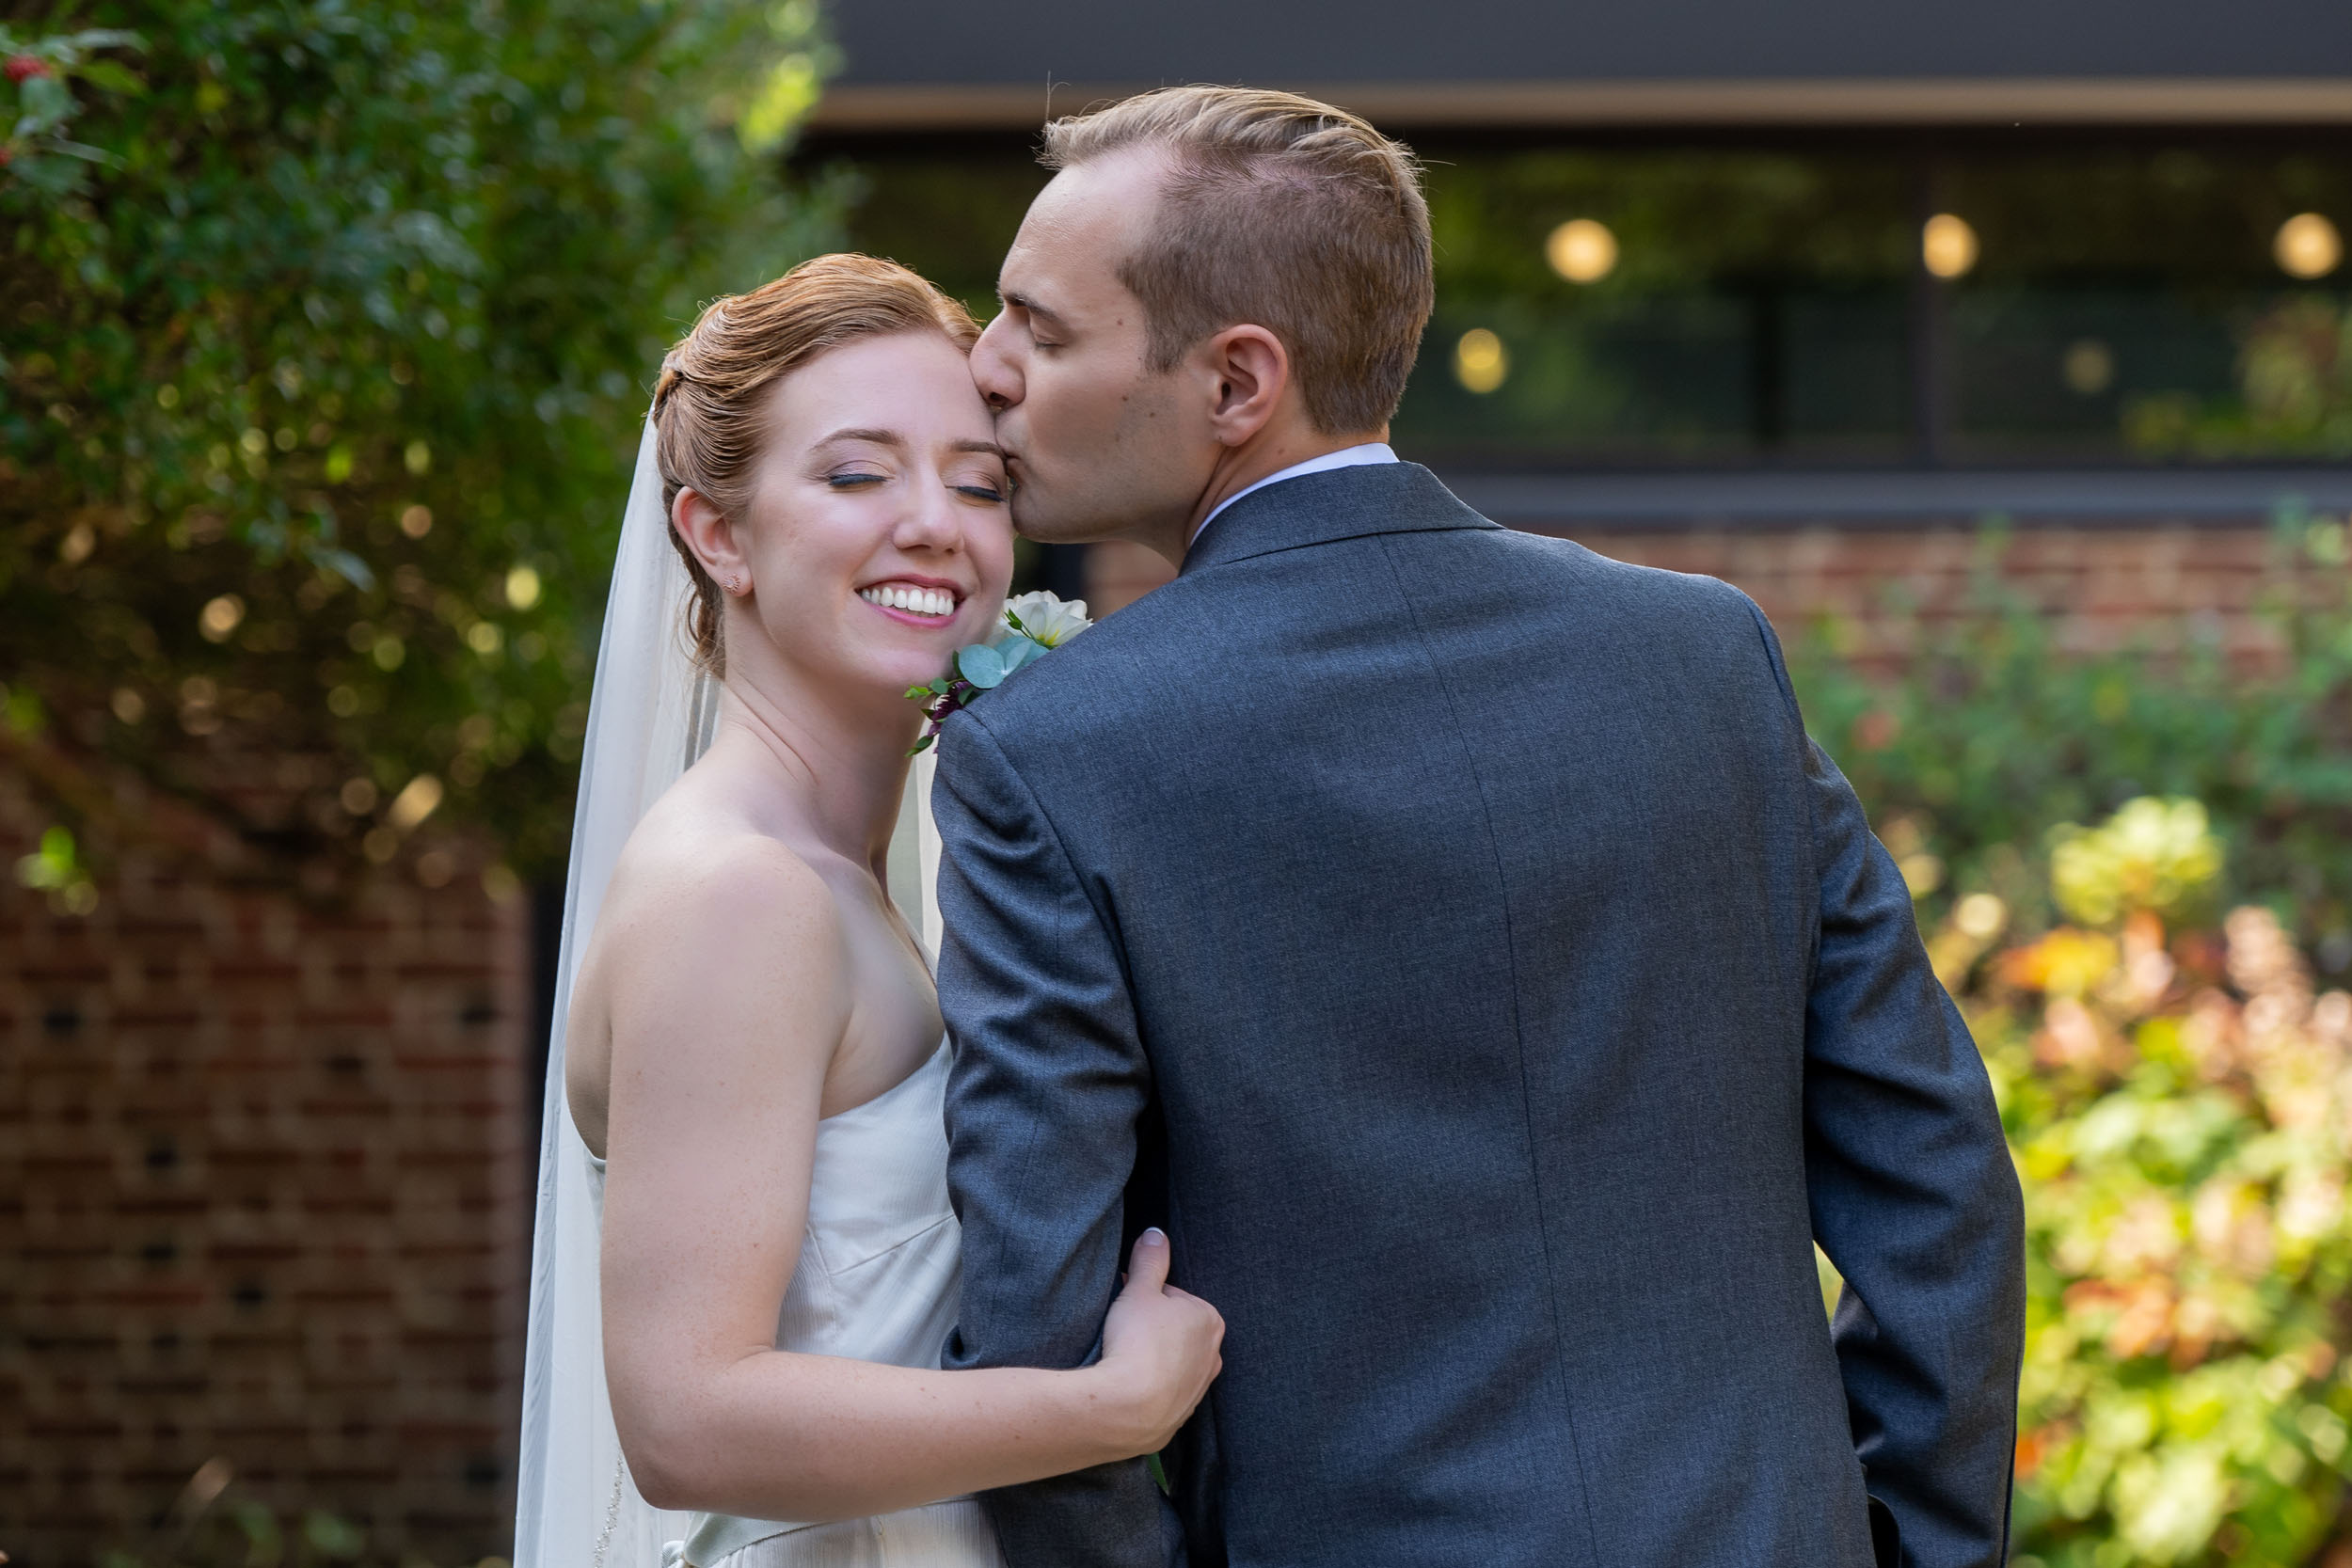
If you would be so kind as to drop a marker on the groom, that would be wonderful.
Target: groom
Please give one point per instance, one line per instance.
(1451, 937)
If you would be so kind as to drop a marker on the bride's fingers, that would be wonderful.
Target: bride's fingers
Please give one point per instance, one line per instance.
(1147, 1263)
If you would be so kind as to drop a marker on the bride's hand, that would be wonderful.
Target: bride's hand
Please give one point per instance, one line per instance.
(1159, 1351)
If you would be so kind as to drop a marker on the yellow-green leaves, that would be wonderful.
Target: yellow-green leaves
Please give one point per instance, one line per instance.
(2153, 855)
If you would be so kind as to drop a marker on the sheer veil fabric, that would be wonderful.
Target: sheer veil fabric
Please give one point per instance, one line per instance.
(650, 715)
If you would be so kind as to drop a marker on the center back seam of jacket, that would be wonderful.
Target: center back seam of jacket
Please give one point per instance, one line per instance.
(1518, 1040)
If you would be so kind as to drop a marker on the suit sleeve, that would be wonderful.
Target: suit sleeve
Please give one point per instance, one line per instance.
(1049, 1085)
(1914, 1198)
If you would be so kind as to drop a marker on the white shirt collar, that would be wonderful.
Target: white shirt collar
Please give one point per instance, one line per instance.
(1347, 457)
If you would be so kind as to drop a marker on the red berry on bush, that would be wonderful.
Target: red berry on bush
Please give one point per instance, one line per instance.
(22, 65)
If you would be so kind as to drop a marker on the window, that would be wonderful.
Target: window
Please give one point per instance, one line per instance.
(1858, 300)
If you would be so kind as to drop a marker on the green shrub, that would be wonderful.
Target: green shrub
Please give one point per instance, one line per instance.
(2180, 1106)
(330, 332)
(2177, 1097)
(1991, 737)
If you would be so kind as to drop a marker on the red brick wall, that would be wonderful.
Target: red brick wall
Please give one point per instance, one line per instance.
(2105, 587)
(263, 1196)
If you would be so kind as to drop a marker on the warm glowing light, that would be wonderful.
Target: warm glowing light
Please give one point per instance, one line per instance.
(1948, 245)
(1980, 915)
(2089, 367)
(1480, 361)
(2308, 246)
(220, 617)
(417, 799)
(522, 588)
(1581, 250)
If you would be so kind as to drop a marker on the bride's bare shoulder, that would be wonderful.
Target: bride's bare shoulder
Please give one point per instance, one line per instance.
(716, 947)
(704, 881)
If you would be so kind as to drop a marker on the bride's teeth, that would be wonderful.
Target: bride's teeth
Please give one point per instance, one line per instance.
(915, 601)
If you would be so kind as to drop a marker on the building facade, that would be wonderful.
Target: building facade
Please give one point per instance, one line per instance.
(1805, 296)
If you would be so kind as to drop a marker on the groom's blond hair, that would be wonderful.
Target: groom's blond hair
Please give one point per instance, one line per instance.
(1284, 214)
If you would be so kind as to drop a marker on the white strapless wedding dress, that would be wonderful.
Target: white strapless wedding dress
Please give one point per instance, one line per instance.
(876, 1279)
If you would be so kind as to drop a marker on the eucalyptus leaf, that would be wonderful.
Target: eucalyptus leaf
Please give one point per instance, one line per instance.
(1018, 651)
(981, 665)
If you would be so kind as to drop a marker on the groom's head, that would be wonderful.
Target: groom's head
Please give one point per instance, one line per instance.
(1215, 277)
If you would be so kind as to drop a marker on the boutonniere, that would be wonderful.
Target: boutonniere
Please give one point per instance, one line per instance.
(1034, 625)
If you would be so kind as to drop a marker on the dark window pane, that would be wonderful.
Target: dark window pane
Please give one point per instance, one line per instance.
(1720, 305)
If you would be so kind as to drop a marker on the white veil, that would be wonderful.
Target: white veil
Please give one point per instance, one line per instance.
(650, 714)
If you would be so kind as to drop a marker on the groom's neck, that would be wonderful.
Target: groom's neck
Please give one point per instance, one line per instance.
(1239, 467)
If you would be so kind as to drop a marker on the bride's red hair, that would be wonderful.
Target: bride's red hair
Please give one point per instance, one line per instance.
(707, 405)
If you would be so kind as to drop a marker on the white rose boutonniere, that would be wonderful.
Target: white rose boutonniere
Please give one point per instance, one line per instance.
(1042, 618)
(1034, 625)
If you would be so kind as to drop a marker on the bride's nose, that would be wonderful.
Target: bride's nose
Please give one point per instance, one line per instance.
(930, 521)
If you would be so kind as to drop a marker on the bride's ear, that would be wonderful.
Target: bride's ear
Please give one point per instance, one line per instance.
(708, 533)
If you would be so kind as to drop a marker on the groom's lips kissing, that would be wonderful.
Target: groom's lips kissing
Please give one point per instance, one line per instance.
(916, 601)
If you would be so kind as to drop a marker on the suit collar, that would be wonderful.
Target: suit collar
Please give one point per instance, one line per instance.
(1337, 503)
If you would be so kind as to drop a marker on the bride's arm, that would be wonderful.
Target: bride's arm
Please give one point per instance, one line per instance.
(728, 996)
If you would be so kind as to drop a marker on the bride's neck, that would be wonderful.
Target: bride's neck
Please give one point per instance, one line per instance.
(838, 758)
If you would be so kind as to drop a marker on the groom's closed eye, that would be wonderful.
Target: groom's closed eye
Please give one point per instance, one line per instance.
(1038, 320)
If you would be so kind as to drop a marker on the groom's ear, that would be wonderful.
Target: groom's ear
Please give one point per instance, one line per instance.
(1250, 370)
(707, 533)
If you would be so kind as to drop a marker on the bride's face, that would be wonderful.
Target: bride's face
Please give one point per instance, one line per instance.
(880, 539)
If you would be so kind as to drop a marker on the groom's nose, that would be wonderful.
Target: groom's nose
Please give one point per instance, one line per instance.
(993, 370)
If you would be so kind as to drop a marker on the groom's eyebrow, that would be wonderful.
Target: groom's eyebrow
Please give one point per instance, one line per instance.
(1042, 312)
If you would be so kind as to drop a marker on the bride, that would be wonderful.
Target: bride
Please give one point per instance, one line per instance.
(753, 1061)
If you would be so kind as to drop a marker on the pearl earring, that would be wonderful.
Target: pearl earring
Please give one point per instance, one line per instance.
(734, 583)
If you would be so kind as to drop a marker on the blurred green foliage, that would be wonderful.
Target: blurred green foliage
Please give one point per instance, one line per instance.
(328, 333)
(2295, 371)
(2180, 1106)
(2177, 1093)
(1990, 735)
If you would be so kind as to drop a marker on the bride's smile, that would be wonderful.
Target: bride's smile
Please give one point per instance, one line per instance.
(919, 601)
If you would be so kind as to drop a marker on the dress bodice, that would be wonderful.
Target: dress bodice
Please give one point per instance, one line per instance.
(879, 1262)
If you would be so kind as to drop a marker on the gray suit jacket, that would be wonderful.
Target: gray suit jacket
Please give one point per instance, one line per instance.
(1451, 936)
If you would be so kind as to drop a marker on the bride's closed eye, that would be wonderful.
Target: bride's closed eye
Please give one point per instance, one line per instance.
(855, 480)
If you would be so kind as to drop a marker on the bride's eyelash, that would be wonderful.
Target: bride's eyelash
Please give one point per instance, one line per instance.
(980, 492)
(843, 481)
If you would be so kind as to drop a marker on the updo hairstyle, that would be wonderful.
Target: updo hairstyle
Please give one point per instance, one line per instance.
(707, 406)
